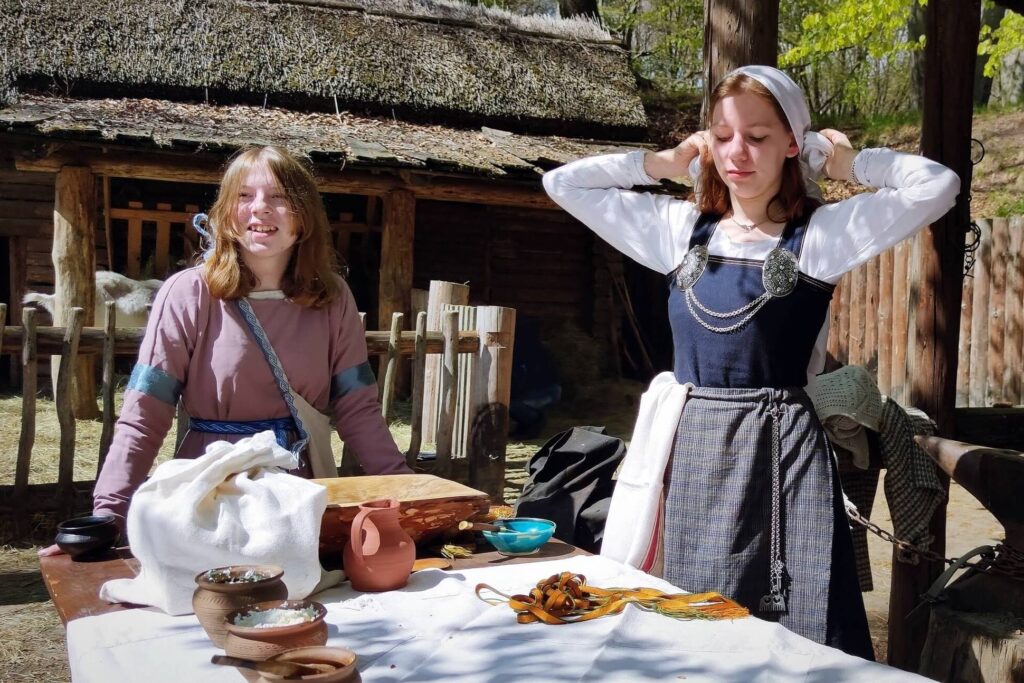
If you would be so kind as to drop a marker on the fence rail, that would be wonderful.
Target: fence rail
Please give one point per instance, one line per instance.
(490, 346)
(871, 324)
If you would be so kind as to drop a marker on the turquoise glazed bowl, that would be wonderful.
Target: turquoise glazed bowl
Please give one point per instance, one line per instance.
(520, 535)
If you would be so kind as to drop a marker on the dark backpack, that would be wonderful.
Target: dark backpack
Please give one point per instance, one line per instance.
(570, 483)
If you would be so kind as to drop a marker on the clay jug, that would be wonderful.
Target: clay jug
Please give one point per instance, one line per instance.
(379, 554)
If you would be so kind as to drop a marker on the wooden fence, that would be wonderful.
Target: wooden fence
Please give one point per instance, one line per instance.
(490, 345)
(871, 324)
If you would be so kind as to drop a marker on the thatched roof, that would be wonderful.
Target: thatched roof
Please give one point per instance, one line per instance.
(416, 59)
(346, 139)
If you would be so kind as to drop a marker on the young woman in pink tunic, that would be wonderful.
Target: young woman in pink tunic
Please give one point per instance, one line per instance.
(271, 246)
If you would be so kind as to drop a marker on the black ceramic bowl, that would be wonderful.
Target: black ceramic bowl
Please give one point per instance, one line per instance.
(84, 537)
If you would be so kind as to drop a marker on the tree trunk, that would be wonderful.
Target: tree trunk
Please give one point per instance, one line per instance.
(969, 647)
(983, 85)
(578, 8)
(737, 34)
(74, 266)
(937, 271)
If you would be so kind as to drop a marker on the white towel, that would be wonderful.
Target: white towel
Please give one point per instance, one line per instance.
(232, 505)
(632, 532)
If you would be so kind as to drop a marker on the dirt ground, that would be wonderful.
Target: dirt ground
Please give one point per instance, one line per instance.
(32, 646)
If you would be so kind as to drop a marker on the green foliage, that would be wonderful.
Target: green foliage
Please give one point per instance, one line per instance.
(999, 43)
(665, 36)
(853, 57)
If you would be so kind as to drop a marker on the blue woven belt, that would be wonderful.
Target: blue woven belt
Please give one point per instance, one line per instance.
(280, 426)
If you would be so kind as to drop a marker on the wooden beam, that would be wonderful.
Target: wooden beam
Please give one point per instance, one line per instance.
(491, 395)
(398, 232)
(127, 340)
(74, 267)
(206, 170)
(937, 268)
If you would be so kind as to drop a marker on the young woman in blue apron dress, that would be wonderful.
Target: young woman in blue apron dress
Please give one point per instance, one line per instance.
(748, 500)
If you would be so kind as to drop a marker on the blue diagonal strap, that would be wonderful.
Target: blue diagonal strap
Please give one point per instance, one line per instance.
(280, 427)
(275, 367)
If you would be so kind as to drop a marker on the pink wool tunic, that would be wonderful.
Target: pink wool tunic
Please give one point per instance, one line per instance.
(199, 348)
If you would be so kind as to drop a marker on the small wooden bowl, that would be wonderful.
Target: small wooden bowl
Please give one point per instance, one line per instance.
(344, 660)
(263, 643)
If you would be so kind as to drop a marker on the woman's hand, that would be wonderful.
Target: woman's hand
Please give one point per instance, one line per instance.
(840, 165)
(675, 162)
(50, 551)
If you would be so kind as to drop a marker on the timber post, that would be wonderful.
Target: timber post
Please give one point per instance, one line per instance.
(439, 295)
(398, 228)
(492, 391)
(74, 267)
(936, 267)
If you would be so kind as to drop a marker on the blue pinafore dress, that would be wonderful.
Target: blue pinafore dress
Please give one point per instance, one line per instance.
(753, 505)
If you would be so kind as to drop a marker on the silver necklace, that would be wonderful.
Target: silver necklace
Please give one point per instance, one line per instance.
(748, 227)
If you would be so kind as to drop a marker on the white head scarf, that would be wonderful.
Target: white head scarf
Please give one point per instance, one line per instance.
(815, 149)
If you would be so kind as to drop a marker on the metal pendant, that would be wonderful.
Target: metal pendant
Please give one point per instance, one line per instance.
(779, 273)
(692, 267)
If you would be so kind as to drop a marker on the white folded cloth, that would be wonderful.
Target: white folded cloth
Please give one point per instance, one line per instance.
(232, 505)
(632, 534)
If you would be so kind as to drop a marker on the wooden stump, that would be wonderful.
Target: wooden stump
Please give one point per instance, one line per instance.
(968, 647)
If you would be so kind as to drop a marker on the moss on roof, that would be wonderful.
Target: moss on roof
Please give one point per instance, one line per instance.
(420, 61)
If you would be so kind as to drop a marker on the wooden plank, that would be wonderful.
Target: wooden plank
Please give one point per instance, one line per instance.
(978, 389)
(991, 427)
(74, 265)
(995, 393)
(870, 357)
(1013, 353)
(27, 436)
(194, 170)
(107, 392)
(844, 321)
(107, 230)
(418, 370)
(133, 249)
(439, 294)
(17, 281)
(492, 388)
(387, 390)
(162, 256)
(24, 227)
(835, 318)
(963, 369)
(884, 329)
(858, 281)
(447, 387)
(127, 340)
(64, 405)
(900, 322)
(19, 208)
(465, 387)
(136, 212)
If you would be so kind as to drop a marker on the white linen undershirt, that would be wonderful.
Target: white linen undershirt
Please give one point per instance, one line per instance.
(654, 229)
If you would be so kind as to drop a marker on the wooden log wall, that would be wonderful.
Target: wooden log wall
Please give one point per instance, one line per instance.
(870, 321)
(539, 262)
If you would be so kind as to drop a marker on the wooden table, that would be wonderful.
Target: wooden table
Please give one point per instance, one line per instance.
(74, 586)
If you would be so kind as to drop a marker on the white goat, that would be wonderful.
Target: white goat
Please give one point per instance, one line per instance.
(131, 299)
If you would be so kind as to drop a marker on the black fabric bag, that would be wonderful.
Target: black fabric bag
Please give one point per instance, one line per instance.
(571, 484)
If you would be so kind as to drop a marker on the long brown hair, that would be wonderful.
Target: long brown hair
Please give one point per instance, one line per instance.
(311, 276)
(712, 194)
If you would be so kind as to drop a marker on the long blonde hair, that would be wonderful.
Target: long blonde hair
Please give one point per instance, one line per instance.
(311, 276)
(713, 194)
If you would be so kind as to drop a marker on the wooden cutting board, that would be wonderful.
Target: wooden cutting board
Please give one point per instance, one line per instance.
(427, 504)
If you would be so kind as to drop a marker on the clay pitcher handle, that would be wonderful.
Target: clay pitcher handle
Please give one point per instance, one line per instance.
(371, 544)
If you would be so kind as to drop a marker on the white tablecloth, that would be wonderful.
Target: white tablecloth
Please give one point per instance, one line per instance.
(436, 629)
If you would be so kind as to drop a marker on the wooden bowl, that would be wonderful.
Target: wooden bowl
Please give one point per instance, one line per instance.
(263, 643)
(344, 660)
(427, 505)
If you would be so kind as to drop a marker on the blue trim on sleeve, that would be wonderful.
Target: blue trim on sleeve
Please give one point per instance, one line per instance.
(155, 383)
(357, 377)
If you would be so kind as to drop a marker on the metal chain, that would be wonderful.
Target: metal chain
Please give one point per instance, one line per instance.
(1003, 558)
(691, 299)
